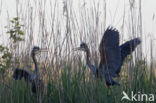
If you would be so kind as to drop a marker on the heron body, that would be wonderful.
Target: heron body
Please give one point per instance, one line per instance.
(111, 55)
(33, 78)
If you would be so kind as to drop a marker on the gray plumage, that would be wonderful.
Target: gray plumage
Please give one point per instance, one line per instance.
(33, 78)
(111, 55)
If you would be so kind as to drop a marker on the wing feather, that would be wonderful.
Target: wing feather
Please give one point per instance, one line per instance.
(126, 49)
(21, 73)
(110, 51)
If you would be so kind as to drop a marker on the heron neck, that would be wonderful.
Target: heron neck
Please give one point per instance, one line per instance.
(88, 58)
(35, 62)
(92, 67)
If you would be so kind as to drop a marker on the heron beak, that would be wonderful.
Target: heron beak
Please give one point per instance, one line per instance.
(78, 48)
(43, 50)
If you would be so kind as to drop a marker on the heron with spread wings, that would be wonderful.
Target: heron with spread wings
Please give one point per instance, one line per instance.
(112, 55)
(33, 78)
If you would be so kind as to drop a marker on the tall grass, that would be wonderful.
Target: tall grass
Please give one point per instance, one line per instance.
(61, 26)
(74, 86)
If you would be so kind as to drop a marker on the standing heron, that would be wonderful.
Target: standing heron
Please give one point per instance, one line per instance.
(33, 78)
(112, 55)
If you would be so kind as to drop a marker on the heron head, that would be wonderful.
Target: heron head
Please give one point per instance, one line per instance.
(83, 47)
(37, 50)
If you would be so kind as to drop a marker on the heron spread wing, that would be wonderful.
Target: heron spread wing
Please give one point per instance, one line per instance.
(127, 48)
(110, 51)
(20, 73)
(110, 55)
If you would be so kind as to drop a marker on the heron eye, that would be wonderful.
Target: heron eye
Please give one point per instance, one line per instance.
(82, 46)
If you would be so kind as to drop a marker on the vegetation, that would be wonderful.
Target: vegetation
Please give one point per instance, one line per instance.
(74, 87)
